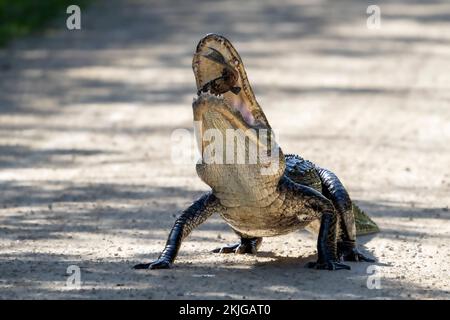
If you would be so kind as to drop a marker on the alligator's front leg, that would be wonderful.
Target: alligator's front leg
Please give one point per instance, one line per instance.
(334, 190)
(327, 244)
(193, 216)
(310, 203)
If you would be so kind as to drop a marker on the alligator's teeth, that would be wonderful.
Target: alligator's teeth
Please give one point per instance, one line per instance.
(206, 95)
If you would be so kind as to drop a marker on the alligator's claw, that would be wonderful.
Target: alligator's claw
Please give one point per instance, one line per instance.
(239, 248)
(329, 265)
(158, 264)
(227, 249)
(356, 255)
(348, 251)
(245, 246)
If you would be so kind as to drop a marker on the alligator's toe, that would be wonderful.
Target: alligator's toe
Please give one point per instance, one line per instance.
(238, 248)
(158, 264)
(329, 265)
(348, 251)
(227, 249)
(246, 248)
(357, 256)
(142, 266)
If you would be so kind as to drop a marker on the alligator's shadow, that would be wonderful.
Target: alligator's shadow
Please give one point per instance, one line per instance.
(301, 261)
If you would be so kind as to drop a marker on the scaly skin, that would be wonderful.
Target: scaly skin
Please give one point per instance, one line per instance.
(268, 197)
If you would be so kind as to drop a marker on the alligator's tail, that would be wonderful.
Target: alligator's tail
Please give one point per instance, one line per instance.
(364, 225)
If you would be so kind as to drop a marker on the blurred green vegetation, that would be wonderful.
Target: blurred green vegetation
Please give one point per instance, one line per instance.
(20, 17)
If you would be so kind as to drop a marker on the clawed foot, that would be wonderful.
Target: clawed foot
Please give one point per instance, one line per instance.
(329, 265)
(245, 246)
(158, 264)
(347, 251)
(227, 249)
(346, 254)
(355, 255)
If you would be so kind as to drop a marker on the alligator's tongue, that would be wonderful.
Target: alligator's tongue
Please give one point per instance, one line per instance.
(239, 104)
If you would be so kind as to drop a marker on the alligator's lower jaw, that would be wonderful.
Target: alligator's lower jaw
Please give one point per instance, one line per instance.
(214, 113)
(233, 161)
(231, 106)
(207, 103)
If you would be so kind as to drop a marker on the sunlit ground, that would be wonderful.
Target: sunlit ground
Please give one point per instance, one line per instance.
(86, 118)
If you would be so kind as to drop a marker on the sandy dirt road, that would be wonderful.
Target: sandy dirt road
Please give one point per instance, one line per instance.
(86, 118)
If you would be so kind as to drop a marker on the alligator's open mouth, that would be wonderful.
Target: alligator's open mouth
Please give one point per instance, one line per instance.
(219, 70)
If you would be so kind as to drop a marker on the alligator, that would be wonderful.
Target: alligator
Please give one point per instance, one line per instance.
(271, 195)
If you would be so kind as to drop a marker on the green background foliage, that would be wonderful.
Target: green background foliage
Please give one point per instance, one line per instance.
(21, 17)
